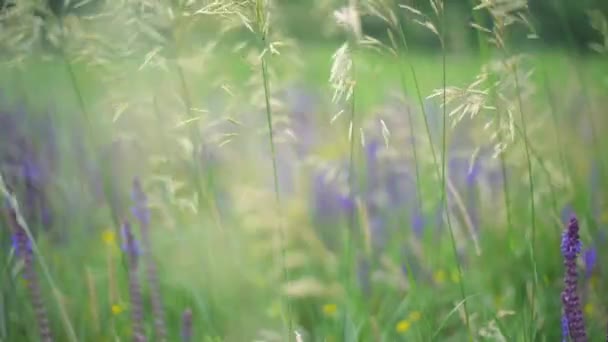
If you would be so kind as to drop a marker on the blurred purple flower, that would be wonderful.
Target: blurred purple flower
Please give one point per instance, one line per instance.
(565, 332)
(186, 329)
(27, 160)
(329, 200)
(135, 293)
(301, 108)
(142, 213)
(133, 248)
(378, 230)
(418, 222)
(140, 203)
(23, 250)
(590, 260)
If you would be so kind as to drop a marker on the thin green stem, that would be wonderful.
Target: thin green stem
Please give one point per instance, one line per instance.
(261, 17)
(349, 236)
(444, 182)
(440, 170)
(531, 194)
(413, 143)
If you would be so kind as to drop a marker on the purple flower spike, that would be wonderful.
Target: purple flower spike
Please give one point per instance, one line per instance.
(137, 311)
(571, 247)
(565, 332)
(24, 251)
(418, 223)
(133, 248)
(140, 203)
(187, 326)
(141, 211)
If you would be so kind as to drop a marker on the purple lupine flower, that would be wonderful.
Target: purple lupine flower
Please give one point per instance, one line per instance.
(329, 200)
(590, 259)
(300, 107)
(186, 329)
(418, 222)
(565, 332)
(142, 213)
(571, 247)
(137, 311)
(23, 249)
(27, 166)
(135, 249)
(378, 231)
(140, 203)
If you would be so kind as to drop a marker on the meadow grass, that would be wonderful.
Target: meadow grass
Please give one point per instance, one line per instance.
(260, 217)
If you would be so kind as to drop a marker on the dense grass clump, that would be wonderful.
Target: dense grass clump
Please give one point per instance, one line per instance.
(190, 171)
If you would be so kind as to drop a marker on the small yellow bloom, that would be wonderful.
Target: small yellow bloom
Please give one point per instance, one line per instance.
(109, 237)
(415, 316)
(330, 309)
(588, 309)
(403, 326)
(117, 309)
(439, 277)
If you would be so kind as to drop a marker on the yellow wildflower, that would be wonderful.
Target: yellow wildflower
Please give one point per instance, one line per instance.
(117, 309)
(415, 316)
(330, 309)
(403, 326)
(588, 309)
(439, 277)
(109, 237)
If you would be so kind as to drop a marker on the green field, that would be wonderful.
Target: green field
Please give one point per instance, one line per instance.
(317, 234)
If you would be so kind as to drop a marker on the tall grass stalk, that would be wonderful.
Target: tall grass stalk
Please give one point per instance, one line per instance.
(531, 194)
(444, 182)
(261, 16)
(484, 52)
(439, 168)
(352, 134)
(499, 30)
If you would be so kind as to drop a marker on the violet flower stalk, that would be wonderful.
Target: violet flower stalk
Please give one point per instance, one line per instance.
(565, 331)
(186, 326)
(571, 247)
(23, 249)
(137, 313)
(142, 213)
